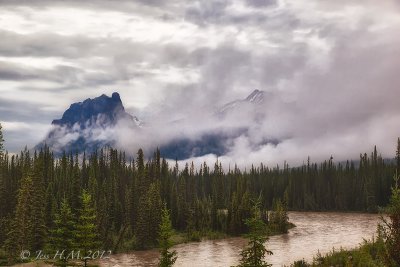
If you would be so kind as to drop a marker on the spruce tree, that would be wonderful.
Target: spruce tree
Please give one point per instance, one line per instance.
(1, 143)
(191, 231)
(38, 204)
(86, 237)
(149, 218)
(233, 215)
(3, 199)
(155, 205)
(62, 235)
(253, 254)
(10, 243)
(390, 229)
(168, 258)
(142, 228)
(142, 209)
(279, 219)
(75, 185)
(397, 155)
(22, 225)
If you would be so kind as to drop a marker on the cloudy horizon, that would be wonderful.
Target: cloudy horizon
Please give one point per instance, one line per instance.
(329, 69)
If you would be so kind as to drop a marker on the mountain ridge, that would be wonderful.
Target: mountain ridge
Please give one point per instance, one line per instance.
(256, 97)
(92, 124)
(81, 125)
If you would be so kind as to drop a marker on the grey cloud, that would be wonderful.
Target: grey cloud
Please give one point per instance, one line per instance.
(44, 45)
(206, 12)
(123, 54)
(22, 111)
(66, 76)
(261, 3)
(319, 110)
(216, 12)
(121, 6)
(72, 47)
(229, 67)
(222, 68)
(9, 72)
(271, 69)
(333, 82)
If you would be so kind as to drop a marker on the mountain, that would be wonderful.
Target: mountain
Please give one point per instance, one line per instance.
(255, 98)
(184, 147)
(84, 125)
(102, 121)
(88, 112)
(219, 141)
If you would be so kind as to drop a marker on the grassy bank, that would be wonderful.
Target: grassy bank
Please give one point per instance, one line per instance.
(178, 237)
(182, 237)
(369, 253)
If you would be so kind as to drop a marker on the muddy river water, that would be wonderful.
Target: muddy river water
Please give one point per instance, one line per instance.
(314, 231)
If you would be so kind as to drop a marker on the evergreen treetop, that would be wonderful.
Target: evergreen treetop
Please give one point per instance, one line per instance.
(168, 258)
(253, 254)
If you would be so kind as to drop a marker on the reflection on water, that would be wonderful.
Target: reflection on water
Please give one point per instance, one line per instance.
(315, 231)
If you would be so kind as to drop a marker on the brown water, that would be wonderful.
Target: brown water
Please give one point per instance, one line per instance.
(314, 231)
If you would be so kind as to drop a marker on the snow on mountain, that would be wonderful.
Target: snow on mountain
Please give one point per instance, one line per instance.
(256, 97)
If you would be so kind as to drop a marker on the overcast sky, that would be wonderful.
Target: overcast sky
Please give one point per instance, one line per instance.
(331, 67)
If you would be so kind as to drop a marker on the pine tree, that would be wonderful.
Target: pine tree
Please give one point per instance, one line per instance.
(3, 199)
(62, 235)
(233, 214)
(1, 143)
(143, 208)
(279, 218)
(191, 231)
(86, 229)
(22, 225)
(38, 204)
(19, 233)
(149, 218)
(181, 203)
(397, 155)
(132, 198)
(155, 205)
(390, 229)
(168, 258)
(142, 228)
(253, 255)
(75, 185)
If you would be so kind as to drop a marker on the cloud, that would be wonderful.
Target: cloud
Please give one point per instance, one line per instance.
(18, 132)
(261, 3)
(330, 74)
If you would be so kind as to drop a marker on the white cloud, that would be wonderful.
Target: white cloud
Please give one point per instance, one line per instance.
(330, 66)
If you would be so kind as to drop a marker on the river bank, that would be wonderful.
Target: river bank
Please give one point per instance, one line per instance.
(369, 253)
(149, 256)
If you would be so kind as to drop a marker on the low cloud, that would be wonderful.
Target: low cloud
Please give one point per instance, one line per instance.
(330, 75)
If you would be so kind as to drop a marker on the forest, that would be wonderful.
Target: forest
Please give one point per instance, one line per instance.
(111, 201)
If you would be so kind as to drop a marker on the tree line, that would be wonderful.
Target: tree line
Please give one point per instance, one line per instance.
(123, 200)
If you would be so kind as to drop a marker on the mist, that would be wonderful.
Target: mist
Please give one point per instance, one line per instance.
(330, 76)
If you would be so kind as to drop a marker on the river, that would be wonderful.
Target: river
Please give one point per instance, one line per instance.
(314, 231)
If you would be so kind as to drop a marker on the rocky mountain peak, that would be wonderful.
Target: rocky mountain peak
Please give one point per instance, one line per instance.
(109, 108)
